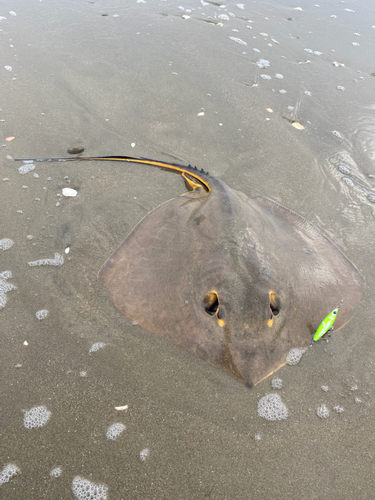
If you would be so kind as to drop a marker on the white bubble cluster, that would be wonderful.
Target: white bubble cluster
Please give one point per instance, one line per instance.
(115, 430)
(272, 408)
(324, 388)
(96, 346)
(57, 261)
(8, 472)
(144, 454)
(322, 411)
(83, 489)
(338, 409)
(42, 314)
(258, 437)
(344, 170)
(263, 63)
(294, 356)
(25, 169)
(5, 287)
(56, 472)
(36, 417)
(6, 243)
(276, 383)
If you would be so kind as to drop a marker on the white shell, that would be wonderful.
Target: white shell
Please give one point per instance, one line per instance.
(69, 192)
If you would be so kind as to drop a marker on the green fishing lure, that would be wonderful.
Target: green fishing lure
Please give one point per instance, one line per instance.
(326, 324)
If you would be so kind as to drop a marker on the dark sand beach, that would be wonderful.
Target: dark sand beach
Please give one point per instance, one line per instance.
(133, 78)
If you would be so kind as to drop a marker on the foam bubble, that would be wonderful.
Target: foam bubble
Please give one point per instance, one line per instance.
(57, 261)
(344, 170)
(322, 411)
(337, 134)
(276, 383)
(348, 181)
(25, 169)
(5, 287)
(56, 472)
(95, 347)
(115, 430)
(6, 243)
(144, 454)
(83, 489)
(258, 437)
(324, 388)
(272, 408)
(265, 77)
(338, 409)
(42, 314)
(354, 388)
(36, 417)
(8, 472)
(237, 40)
(371, 197)
(294, 356)
(357, 400)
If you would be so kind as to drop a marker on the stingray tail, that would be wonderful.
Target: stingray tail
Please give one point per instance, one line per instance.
(187, 172)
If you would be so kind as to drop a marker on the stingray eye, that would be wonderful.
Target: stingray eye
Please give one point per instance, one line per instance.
(274, 303)
(211, 303)
(212, 307)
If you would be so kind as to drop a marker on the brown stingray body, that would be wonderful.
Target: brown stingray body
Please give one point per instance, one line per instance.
(237, 281)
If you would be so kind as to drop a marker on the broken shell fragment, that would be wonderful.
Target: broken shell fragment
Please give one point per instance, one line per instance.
(121, 408)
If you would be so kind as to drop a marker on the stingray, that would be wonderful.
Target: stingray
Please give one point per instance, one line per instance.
(237, 281)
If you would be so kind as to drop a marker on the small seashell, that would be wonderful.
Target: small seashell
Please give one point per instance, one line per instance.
(76, 151)
(10, 138)
(69, 192)
(201, 113)
(121, 408)
(298, 126)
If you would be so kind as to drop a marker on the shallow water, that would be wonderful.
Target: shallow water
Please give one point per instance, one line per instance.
(134, 84)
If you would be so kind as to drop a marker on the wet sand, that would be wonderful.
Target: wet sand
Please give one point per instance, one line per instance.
(79, 78)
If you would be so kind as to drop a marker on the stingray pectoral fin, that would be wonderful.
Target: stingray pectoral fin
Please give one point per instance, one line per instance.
(319, 274)
(148, 275)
